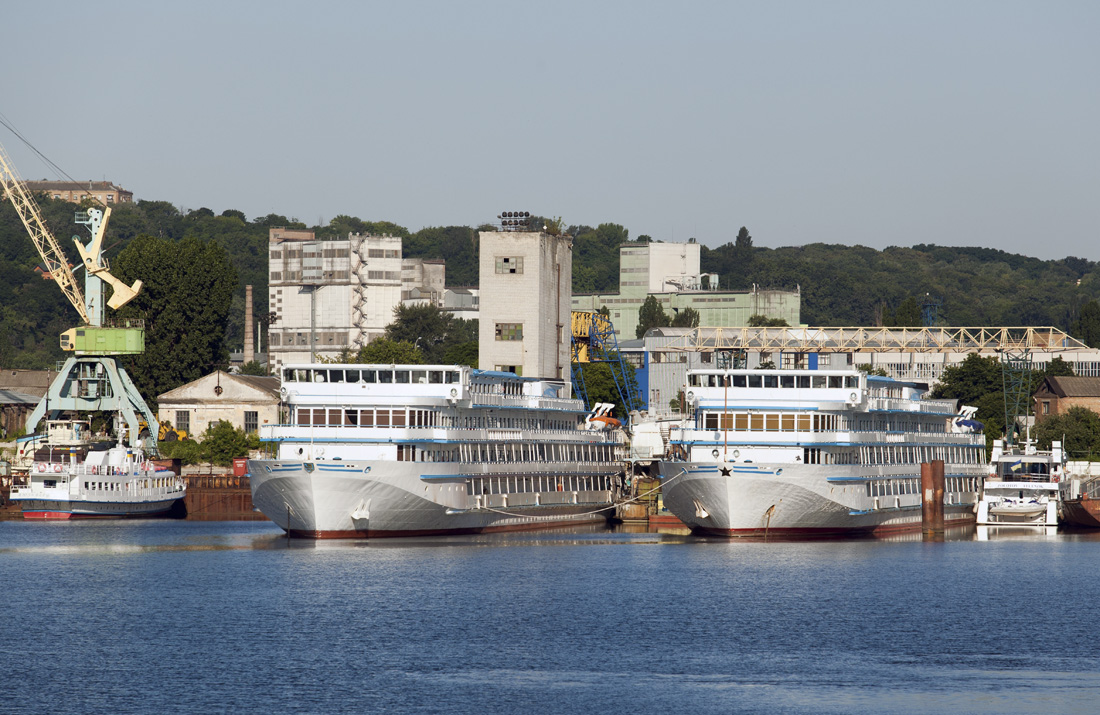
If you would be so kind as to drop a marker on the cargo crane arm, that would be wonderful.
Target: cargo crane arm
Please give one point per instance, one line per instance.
(52, 255)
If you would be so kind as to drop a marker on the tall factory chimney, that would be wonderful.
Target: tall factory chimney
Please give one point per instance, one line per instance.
(249, 347)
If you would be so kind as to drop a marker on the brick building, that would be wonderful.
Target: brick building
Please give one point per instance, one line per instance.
(1057, 394)
(77, 191)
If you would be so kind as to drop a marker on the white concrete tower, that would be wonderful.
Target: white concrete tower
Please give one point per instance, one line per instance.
(526, 292)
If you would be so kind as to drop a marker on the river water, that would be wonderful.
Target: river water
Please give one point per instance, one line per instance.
(177, 616)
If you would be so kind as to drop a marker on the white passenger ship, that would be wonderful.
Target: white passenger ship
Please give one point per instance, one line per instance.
(802, 453)
(73, 482)
(1023, 487)
(403, 450)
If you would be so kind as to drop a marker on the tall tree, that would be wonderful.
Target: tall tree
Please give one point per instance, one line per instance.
(185, 300)
(439, 336)
(650, 315)
(686, 318)
(908, 314)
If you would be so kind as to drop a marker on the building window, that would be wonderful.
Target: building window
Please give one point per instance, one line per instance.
(509, 331)
(509, 264)
(517, 369)
(183, 420)
(251, 422)
(1046, 407)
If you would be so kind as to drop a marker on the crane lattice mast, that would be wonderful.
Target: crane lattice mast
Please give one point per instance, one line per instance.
(52, 255)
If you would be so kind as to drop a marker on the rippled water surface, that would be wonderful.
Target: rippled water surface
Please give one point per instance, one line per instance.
(173, 616)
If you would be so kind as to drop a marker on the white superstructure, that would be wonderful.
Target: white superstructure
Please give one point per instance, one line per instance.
(391, 450)
(1023, 487)
(815, 452)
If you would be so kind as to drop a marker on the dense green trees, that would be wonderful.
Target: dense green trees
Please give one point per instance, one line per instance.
(1087, 325)
(1078, 430)
(980, 382)
(600, 385)
(385, 351)
(441, 338)
(685, 318)
(219, 445)
(185, 304)
(763, 321)
(848, 285)
(596, 257)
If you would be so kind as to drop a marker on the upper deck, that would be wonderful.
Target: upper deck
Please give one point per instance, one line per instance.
(358, 384)
(808, 389)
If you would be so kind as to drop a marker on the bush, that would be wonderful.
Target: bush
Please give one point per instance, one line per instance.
(220, 444)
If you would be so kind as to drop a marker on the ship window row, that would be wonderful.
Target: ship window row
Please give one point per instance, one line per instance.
(772, 381)
(125, 486)
(518, 485)
(912, 454)
(773, 421)
(400, 417)
(504, 452)
(841, 455)
(497, 387)
(495, 421)
(335, 417)
(900, 423)
(911, 485)
(373, 376)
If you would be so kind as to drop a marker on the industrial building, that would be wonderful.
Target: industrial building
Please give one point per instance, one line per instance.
(332, 295)
(526, 278)
(670, 272)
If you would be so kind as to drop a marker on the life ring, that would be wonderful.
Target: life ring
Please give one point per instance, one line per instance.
(57, 468)
(41, 467)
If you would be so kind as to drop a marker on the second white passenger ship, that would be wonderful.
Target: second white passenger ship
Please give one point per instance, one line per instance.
(404, 450)
(815, 453)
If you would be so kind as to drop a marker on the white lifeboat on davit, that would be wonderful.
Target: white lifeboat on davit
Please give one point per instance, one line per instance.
(600, 418)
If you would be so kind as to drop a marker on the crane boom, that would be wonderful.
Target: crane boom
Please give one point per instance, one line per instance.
(52, 255)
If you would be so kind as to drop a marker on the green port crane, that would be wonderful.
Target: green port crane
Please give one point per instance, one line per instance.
(91, 379)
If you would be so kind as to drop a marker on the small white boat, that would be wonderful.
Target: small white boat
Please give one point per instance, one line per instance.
(1022, 488)
(115, 482)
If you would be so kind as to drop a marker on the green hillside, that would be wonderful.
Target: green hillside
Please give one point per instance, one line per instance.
(841, 285)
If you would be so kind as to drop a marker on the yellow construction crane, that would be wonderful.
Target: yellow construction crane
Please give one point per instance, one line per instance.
(54, 258)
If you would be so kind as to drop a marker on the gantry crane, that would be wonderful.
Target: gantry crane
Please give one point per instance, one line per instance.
(91, 380)
(593, 340)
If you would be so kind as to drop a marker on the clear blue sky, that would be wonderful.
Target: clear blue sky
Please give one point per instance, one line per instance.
(873, 123)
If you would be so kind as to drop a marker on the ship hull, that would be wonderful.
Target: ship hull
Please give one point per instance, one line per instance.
(791, 501)
(373, 499)
(1083, 512)
(59, 510)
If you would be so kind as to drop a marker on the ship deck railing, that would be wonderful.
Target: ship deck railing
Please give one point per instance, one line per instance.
(531, 401)
(937, 407)
(491, 434)
(841, 437)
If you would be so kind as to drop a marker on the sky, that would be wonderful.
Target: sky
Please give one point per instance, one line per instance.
(859, 123)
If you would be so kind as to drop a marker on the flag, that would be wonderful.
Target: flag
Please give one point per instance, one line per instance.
(1017, 465)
